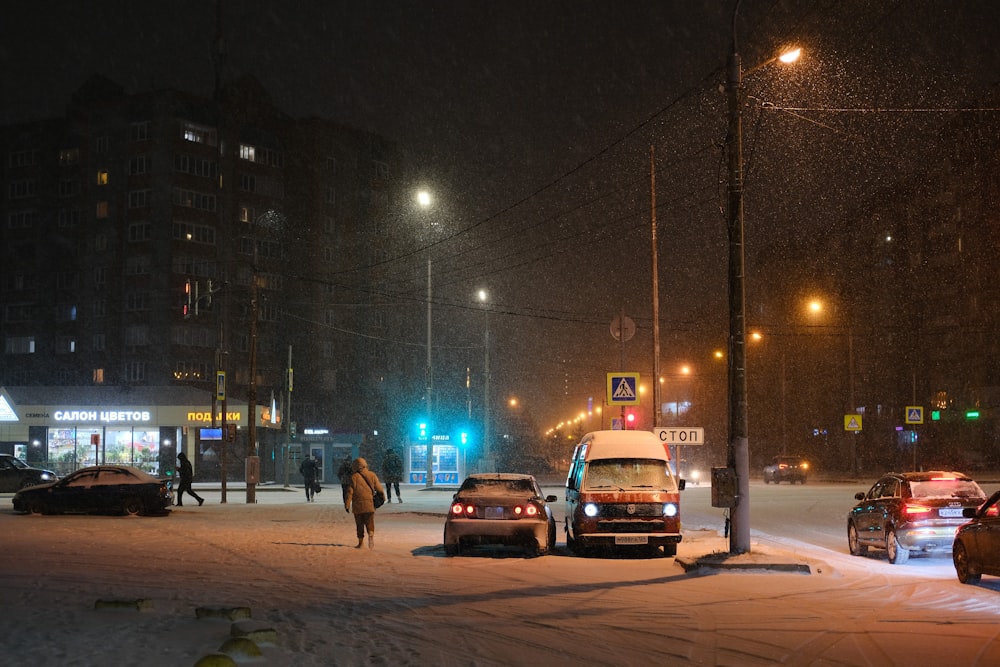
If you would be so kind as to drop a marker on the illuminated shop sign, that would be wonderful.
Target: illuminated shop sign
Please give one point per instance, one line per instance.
(103, 416)
(231, 417)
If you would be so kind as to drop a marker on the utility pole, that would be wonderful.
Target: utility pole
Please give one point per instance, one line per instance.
(656, 290)
(288, 414)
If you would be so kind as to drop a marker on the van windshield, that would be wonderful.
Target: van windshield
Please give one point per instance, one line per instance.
(628, 474)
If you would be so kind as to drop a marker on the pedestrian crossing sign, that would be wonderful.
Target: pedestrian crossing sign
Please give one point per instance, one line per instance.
(852, 422)
(623, 389)
(914, 414)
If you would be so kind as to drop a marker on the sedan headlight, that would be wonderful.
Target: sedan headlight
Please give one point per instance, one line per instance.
(47, 477)
(590, 509)
(669, 509)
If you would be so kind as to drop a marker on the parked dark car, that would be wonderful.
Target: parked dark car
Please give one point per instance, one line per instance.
(500, 508)
(911, 512)
(789, 469)
(976, 549)
(107, 489)
(16, 474)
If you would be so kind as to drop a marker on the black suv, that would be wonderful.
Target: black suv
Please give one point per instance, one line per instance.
(911, 511)
(15, 474)
(789, 469)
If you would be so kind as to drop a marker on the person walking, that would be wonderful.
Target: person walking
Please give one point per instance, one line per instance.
(361, 500)
(392, 471)
(344, 473)
(186, 474)
(310, 471)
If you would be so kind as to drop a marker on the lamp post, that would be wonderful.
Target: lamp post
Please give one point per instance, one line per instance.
(270, 220)
(424, 200)
(487, 435)
(738, 452)
(816, 309)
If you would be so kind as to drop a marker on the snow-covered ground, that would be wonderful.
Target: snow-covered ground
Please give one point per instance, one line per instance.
(293, 565)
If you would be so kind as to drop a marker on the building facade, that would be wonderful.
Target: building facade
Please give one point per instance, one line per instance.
(160, 238)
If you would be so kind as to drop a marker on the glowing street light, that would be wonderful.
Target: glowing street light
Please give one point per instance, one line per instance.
(424, 201)
(738, 452)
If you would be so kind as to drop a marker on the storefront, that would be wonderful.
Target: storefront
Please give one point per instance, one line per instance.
(67, 428)
(448, 466)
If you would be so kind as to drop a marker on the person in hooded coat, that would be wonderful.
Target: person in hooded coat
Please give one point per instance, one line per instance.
(186, 474)
(360, 500)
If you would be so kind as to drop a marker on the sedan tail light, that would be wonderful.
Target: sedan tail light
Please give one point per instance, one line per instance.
(528, 510)
(460, 509)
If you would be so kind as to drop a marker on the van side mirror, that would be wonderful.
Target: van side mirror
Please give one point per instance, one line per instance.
(550, 499)
(681, 483)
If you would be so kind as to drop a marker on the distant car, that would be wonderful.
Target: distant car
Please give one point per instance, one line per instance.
(107, 489)
(789, 469)
(976, 549)
(15, 474)
(911, 512)
(500, 508)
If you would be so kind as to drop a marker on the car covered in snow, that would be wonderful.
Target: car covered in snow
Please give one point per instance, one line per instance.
(103, 489)
(500, 509)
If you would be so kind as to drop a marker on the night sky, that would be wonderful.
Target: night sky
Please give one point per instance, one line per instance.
(532, 123)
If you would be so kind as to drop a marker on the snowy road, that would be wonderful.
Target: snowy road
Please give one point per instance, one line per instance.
(405, 603)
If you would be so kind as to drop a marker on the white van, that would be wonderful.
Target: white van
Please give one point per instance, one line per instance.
(621, 493)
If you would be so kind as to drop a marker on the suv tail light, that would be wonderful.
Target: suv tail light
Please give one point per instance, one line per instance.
(912, 509)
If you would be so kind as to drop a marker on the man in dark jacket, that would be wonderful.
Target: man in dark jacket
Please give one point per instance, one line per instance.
(344, 473)
(309, 471)
(186, 474)
(392, 472)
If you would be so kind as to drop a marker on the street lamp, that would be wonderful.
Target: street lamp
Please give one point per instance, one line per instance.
(738, 452)
(269, 220)
(487, 453)
(424, 201)
(816, 309)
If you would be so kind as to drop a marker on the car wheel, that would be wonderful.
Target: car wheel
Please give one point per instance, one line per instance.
(767, 480)
(857, 549)
(669, 550)
(451, 550)
(897, 554)
(36, 507)
(25, 483)
(132, 506)
(960, 556)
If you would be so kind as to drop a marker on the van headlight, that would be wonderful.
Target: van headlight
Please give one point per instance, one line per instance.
(669, 509)
(590, 509)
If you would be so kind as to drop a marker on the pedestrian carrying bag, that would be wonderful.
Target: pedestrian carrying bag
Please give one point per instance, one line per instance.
(377, 496)
(316, 487)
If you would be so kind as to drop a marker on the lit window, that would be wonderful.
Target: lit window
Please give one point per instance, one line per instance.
(102, 177)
